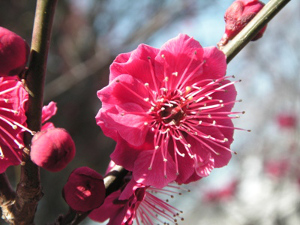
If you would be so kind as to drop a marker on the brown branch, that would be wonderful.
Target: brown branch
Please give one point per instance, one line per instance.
(29, 188)
(7, 196)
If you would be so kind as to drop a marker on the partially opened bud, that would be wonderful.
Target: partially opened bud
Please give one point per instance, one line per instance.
(14, 53)
(52, 149)
(237, 16)
(84, 190)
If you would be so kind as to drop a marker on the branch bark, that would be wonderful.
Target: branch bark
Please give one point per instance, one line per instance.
(7, 196)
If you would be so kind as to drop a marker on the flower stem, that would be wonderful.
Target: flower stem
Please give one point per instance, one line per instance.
(29, 188)
(252, 28)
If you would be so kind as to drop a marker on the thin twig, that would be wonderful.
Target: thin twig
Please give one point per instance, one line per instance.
(252, 28)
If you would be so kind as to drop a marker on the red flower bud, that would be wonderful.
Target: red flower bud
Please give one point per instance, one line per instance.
(52, 149)
(237, 16)
(14, 53)
(84, 190)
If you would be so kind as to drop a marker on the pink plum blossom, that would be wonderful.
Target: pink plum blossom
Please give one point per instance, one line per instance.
(287, 120)
(222, 194)
(13, 99)
(135, 202)
(169, 110)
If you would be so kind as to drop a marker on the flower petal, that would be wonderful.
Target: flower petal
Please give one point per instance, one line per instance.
(215, 65)
(156, 176)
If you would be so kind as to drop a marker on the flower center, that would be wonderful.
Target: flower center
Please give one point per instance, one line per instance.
(171, 113)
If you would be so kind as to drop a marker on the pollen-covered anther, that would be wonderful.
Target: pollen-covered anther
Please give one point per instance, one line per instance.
(164, 89)
(146, 84)
(122, 114)
(165, 160)
(166, 79)
(175, 74)
(26, 151)
(188, 89)
(173, 122)
(156, 147)
(145, 123)
(146, 99)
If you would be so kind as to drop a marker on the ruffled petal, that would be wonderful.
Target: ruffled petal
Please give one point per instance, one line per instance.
(136, 64)
(109, 210)
(215, 63)
(158, 176)
(180, 60)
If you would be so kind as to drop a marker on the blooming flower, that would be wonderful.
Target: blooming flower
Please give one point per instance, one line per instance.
(14, 53)
(13, 98)
(237, 16)
(169, 111)
(136, 202)
(84, 189)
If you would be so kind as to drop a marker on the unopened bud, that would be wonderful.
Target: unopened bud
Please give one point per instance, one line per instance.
(52, 149)
(14, 53)
(84, 190)
(237, 16)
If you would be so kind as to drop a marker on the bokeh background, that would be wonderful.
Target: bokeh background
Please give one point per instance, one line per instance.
(261, 184)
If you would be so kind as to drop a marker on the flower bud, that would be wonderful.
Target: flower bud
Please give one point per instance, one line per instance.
(52, 149)
(84, 190)
(14, 53)
(237, 16)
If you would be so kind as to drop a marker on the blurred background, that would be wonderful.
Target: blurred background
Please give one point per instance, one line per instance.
(261, 184)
